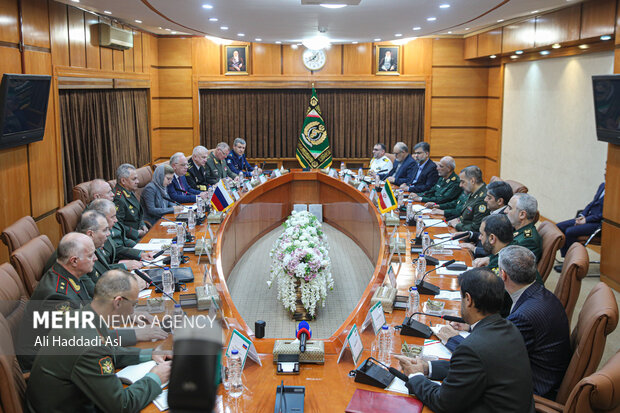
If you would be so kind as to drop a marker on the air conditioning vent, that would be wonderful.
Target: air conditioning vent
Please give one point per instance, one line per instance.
(114, 37)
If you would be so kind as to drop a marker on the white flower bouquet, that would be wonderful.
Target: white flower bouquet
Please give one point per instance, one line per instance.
(300, 255)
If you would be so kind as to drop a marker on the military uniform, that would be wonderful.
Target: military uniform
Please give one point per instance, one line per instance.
(196, 176)
(380, 165)
(475, 210)
(454, 208)
(527, 236)
(239, 164)
(128, 211)
(216, 170)
(120, 238)
(82, 378)
(445, 190)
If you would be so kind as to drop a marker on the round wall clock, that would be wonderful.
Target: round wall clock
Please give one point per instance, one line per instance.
(314, 59)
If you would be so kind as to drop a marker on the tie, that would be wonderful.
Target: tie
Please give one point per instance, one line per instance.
(181, 184)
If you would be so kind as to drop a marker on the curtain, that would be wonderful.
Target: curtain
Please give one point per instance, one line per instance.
(270, 120)
(100, 130)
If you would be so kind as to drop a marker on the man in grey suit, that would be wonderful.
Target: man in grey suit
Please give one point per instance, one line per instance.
(490, 370)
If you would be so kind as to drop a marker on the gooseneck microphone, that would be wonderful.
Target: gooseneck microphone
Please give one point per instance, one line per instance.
(303, 333)
(445, 317)
(418, 238)
(150, 282)
(171, 200)
(428, 288)
(433, 260)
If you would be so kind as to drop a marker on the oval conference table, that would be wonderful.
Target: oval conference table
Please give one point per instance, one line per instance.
(329, 388)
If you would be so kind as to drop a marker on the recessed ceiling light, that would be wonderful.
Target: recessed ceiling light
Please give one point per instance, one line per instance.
(333, 6)
(417, 28)
(75, 1)
(241, 34)
(492, 56)
(431, 19)
(258, 39)
(444, 6)
(544, 52)
(606, 37)
(207, 6)
(519, 52)
(160, 28)
(534, 11)
(449, 32)
(353, 42)
(224, 27)
(500, 20)
(584, 46)
(107, 12)
(173, 32)
(278, 42)
(213, 19)
(294, 46)
(377, 40)
(514, 56)
(467, 28)
(317, 42)
(556, 45)
(398, 35)
(138, 21)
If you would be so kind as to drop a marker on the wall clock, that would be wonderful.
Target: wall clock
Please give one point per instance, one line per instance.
(314, 59)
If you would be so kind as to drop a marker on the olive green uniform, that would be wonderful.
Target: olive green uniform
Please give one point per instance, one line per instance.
(196, 176)
(445, 190)
(216, 169)
(527, 236)
(128, 211)
(83, 379)
(474, 211)
(454, 208)
(120, 238)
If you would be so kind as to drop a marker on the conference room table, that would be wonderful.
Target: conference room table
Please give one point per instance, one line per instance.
(328, 387)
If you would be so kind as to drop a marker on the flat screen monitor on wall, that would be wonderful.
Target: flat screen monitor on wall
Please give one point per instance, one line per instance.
(607, 107)
(23, 108)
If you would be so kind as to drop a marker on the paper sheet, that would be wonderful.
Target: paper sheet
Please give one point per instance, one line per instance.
(435, 348)
(437, 223)
(448, 295)
(161, 401)
(443, 236)
(398, 386)
(145, 293)
(167, 224)
(445, 271)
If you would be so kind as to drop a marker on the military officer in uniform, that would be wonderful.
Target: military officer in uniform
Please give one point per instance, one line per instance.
(196, 175)
(495, 234)
(237, 161)
(379, 163)
(447, 187)
(128, 208)
(521, 211)
(82, 378)
(216, 167)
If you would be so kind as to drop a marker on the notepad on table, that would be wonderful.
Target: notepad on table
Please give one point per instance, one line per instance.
(133, 373)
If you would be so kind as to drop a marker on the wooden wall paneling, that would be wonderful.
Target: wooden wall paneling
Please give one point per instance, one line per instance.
(14, 176)
(458, 141)
(128, 57)
(77, 46)
(118, 60)
(155, 124)
(463, 161)
(35, 23)
(492, 144)
(105, 53)
(519, 36)
(459, 112)
(59, 33)
(489, 170)
(155, 83)
(175, 82)
(266, 59)
(174, 51)
(558, 27)
(460, 81)
(617, 25)
(471, 47)
(495, 81)
(137, 52)
(50, 227)
(490, 42)
(597, 18)
(611, 208)
(9, 29)
(206, 57)
(291, 61)
(428, 104)
(610, 259)
(449, 52)
(10, 60)
(334, 61)
(42, 159)
(91, 37)
(357, 59)
(175, 140)
(494, 113)
(155, 145)
(418, 57)
(176, 113)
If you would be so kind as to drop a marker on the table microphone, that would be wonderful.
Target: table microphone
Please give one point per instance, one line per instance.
(150, 282)
(418, 239)
(171, 200)
(428, 288)
(303, 333)
(433, 260)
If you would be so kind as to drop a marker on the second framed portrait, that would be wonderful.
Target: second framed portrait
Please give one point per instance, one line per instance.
(388, 60)
(236, 60)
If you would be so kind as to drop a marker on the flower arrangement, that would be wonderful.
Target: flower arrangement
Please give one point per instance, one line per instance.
(300, 256)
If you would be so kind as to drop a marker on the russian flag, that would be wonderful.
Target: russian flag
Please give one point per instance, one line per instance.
(221, 199)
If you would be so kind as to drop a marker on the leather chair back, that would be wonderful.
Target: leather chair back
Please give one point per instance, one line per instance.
(517, 187)
(80, 191)
(599, 392)
(19, 233)
(13, 297)
(575, 268)
(552, 241)
(12, 383)
(145, 174)
(597, 319)
(30, 260)
(69, 216)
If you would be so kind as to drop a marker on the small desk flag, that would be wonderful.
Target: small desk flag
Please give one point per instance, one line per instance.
(387, 200)
(221, 199)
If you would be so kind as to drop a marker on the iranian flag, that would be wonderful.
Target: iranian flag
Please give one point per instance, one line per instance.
(387, 200)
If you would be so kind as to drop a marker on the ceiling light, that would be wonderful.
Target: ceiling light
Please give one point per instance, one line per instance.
(535, 11)
(467, 28)
(167, 29)
(278, 42)
(294, 46)
(417, 28)
(519, 52)
(444, 6)
(556, 45)
(213, 19)
(217, 40)
(431, 19)
(584, 46)
(377, 40)
(160, 28)
(317, 42)
(398, 35)
(500, 20)
(353, 42)
(107, 12)
(138, 21)
(492, 56)
(241, 34)
(449, 32)
(224, 27)
(333, 6)
(173, 32)
(258, 39)
(75, 1)
(606, 37)
(514, 56)
(544, 52)
(207, 6)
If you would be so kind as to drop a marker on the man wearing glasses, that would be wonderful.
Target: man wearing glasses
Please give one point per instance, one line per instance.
(404, 167)
(216, 167)
(426, 175)
(179, 190)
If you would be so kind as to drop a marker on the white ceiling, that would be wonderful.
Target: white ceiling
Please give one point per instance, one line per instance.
(288, 21)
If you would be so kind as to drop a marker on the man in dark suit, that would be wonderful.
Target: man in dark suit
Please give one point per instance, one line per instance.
(489, 371)
(588, 220)
(426, 175)
(404, 167)
(196, 175)
(179, 190)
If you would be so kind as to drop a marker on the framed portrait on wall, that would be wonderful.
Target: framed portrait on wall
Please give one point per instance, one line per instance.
(388, 60)
(236, 60)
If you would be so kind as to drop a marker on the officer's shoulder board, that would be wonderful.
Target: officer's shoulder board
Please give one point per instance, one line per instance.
(453, 178)
(514, 234)
(106, 365)
(482, 208)
(61, 284)
(127, 195)
(527, 233)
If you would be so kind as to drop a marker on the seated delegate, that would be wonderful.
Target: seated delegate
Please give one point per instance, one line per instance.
(153, 199)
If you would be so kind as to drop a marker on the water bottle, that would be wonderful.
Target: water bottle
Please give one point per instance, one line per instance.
(255, 171)
(177, 317)
(385, 345)
(191, 219)
(426, 241)
(167, 280)
(360, 173)
(409, 212)
(200, 208)
(419, 225)
(180, 235)
(414, 302)
(420, 268)
(174, 255)
(234, 374)
(377, 181)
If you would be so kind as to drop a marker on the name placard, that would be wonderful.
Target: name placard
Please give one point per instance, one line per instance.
(244, 346)
(354, 344)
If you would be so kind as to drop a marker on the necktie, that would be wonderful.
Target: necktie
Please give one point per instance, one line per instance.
(181, 184)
